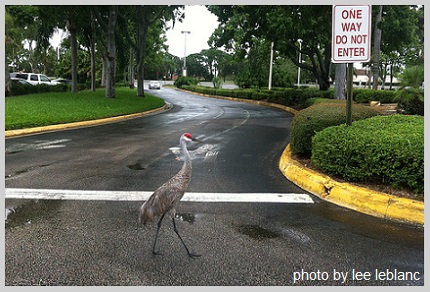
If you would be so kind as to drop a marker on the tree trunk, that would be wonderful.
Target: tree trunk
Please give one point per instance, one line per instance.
(340, 77)
(376, 49)
(111, 52)
(319, 66)
(131, 69)
(140, 74)
(93, 66)
(391, 76)
(74, 54)
(369, 79)
(93, 53)
(325, 63)
(384, 76)
(8, 83)
(140, 53)
(32, 62)
(104, 65)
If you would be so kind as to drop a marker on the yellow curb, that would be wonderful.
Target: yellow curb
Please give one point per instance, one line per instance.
(357, 198)
(35, 130)
(360, 199)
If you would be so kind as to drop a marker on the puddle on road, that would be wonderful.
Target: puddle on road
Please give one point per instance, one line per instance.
(136, 166)
(26, 212)
(17, 173)
(296, 236)
(24, 171)
(372, 227)
(187, 217)
(38, 145)
(257, 232)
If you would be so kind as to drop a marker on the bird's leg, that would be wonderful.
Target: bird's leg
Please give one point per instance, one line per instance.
(186, 248)
(156, 235)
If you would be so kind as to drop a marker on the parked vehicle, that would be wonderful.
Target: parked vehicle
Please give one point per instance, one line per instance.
(33, 78)
(154, 85)
(19, 81)
(63, 81)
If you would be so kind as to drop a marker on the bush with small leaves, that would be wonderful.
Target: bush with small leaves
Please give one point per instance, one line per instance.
(383, 149)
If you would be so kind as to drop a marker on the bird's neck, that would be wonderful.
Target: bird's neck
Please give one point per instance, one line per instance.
(184, 151)
(184, 174)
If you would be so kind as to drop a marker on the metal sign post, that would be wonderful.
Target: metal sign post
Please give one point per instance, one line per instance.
(351, 36)
(349, 94)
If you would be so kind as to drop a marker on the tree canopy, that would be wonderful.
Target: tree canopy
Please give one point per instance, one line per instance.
(243, 26)
(107, 44)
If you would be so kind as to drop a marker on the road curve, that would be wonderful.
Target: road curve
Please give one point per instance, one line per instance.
(98, 242)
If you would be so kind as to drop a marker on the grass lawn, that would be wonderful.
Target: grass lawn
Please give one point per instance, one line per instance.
(52, 108)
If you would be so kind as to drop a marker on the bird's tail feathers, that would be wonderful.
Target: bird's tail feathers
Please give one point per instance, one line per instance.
(145, 214)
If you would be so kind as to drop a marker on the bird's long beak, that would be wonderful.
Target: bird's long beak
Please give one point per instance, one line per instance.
(197, 140)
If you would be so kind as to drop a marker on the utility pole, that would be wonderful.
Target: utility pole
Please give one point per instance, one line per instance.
(271, 66)
(184, 70)
(300, 61)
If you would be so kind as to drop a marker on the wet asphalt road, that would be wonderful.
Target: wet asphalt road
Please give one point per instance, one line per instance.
(53, 242)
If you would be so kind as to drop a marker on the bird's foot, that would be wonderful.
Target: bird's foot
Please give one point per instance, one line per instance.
(156, 253)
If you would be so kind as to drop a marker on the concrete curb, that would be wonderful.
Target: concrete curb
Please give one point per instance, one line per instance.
(58, 127)
(353, 197)
(363, 200)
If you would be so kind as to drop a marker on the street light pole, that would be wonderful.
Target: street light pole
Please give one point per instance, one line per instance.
(184, 70)
(271, 66)
(300, 61)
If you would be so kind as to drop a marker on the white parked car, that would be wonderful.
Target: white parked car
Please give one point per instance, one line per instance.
(154, 85)
(33, 78)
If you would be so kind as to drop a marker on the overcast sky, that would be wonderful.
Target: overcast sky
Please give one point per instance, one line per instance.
(201, 24)
(198, 20)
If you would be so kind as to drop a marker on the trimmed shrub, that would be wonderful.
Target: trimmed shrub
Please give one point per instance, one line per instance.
(410, 101)
(285, 96)
(368, 95)
(185, 80)
(316, 100)
(387, 149)
(318, 117)
(20, 89)
(217, 82)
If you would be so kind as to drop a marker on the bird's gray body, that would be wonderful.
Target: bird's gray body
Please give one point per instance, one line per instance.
(167, 196)
(165, 199)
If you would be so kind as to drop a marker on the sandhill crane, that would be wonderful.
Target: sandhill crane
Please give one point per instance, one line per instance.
(165, 199)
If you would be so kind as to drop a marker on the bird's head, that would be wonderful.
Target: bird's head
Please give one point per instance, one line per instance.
(188, 137)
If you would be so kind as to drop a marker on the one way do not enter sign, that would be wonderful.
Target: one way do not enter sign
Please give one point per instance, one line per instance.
(351, 33)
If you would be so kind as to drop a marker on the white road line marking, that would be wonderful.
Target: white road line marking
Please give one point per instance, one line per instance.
(49, 194)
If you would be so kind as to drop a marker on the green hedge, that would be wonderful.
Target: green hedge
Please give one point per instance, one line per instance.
(20, 89)
(410, 101)
(286, 96)
(289, 96)
(184, 81)
(318, 117)
(316, 100)
(368, 95)
(388, 149)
